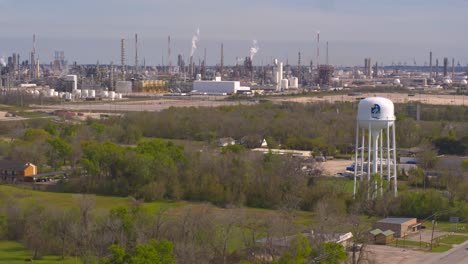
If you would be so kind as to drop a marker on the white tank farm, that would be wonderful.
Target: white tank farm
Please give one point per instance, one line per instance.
(376, 111)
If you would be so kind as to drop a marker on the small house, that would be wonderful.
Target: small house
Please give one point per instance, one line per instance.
(13, 171)
(380, 237)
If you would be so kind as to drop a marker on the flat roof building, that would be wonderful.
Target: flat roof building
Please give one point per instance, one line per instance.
(401, 226)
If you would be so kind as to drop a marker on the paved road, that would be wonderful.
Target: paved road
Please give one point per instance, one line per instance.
(458, 255)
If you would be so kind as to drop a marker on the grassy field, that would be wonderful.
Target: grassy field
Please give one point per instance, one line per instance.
(14, 253)
(453, 239)
(441, 248)
(69, 200)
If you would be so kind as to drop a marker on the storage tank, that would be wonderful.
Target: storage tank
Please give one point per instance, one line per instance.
(77, 93)
(68, 96)
(37, 93)
(56, 94)
(104, 94)
(92, 93)
(463, 82)
(119, 96)
(112, 95)
(198, 77)
(50, 92)
(396, 82)
(284, 84)
(84, 93)
(294, 82)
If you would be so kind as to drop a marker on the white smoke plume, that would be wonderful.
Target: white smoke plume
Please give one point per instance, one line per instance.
(2, 62)
(195, 39)
(254, 49)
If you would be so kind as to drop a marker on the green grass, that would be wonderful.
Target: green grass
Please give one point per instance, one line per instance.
(14, 253)
(408, 243)
(448, 227)
(69, 200)
(453, 239)
(441, 248)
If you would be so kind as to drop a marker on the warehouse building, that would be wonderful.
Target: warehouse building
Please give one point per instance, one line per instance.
(218, 87)
(401, 226)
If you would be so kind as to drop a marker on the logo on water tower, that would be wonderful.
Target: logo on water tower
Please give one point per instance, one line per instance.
(375, 111)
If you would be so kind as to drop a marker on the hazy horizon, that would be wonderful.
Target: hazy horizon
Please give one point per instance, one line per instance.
(89, 31)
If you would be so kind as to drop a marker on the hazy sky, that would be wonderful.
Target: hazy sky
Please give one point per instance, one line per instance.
(386, 30)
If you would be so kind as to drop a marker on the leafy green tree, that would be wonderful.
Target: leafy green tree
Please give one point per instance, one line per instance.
(59, 151)
(300, 252)
(331, 253)
(154, 252)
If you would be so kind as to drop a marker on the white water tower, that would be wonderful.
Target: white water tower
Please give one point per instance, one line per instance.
(376, 126)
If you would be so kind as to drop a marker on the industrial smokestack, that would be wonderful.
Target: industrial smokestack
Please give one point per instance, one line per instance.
(430, 64)
(453, 68)
(221, 68)
(169, 59)
(445, 67)
(122, 57)
(327, 54)
(136, 53)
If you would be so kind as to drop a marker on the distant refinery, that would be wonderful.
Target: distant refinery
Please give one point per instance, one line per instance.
(248, 75)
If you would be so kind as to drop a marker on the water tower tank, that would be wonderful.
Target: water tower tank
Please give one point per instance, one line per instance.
(376, 112)
(375, 129)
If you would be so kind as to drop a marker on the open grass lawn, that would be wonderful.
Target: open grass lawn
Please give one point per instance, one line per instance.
(448, 227)
(453, 239)
(441, 248)
(14, 253)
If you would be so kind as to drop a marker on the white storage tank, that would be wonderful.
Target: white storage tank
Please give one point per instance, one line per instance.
(198, 77)
(92, 93)
(119, 96)
(77, 93)
(50, 92)
(84, 93)
(284, 84)
(104, 94)
(36, 93)
(112, 95)
(56, 94)
(294, 82)
(396, 82)
(463, 82)
(68, 96)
